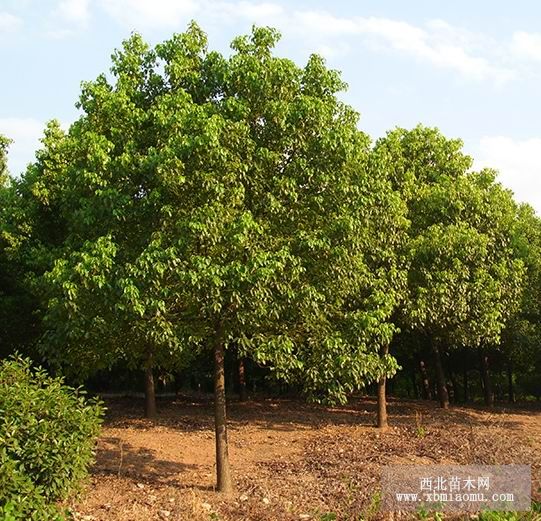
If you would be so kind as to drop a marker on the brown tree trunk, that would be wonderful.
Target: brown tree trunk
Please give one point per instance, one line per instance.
(223, 471)
(485, 376)
(150, 389)
(382, 399)
(427, 393)
(242, 381)
(443, 395)
(510, 387)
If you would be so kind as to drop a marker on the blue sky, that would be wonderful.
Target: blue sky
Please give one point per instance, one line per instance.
(473, 69)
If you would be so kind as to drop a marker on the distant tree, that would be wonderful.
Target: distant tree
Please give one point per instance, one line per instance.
(521, 338)
(389, 264)
(4, 144)
(17, 324)
(464, 277)
(4, 278)
(32, 230)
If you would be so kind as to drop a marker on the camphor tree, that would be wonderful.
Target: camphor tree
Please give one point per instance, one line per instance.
(32, 230)
(522, 335)
(4, 143)
(17, 325)
(464, 277)
(213, 202)
(390, 262)
(368, 317)
(4, 277)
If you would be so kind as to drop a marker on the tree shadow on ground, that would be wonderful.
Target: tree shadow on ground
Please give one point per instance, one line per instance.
(115, 457)
(187, 414)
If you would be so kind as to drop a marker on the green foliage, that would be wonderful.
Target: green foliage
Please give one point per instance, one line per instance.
(4, 143)
(47, 436)
(373, 508)
(328, 516)
(200, 195)
(465, 278)
(427, 515)
(522, 336)
(29, 230)
(503, 516)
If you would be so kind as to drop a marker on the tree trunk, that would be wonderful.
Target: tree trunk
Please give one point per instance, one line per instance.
(443, 395)
(485, 376)
(382, 399)
(223, 471)
(427, 394)
(242, 381)
(150, 389)
(465, 384)
(510, 387)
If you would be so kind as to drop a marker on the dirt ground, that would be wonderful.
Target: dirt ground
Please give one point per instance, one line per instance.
(291, 461)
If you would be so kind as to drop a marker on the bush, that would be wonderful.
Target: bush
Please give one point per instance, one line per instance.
(47, 437)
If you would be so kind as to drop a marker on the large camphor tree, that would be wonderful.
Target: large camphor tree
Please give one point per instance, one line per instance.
(211, 202)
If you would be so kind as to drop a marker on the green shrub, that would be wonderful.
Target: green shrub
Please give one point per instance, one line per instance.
(47, 437)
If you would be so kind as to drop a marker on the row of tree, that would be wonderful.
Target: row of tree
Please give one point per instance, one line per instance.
(203, 203)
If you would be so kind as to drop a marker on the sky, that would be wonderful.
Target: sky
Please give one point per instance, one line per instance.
(471, 68)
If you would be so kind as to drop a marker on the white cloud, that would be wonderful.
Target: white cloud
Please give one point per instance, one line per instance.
(9, 23)
(150, 13)
(77, 11)
(25, 133)
(175, 13)
(336, 50)
(519, 164)
(68, 18)
(527, 45)
(437, 42)
(255, 12)
(321, 23)
(60, 34)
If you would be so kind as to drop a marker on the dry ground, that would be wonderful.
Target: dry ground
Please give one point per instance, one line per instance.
(291, 461)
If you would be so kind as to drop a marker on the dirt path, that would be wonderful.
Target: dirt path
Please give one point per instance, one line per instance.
(290, 460)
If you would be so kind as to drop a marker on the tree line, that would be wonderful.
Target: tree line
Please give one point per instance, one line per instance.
(204, 204)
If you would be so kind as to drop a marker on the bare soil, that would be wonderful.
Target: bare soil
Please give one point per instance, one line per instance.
(290, 461)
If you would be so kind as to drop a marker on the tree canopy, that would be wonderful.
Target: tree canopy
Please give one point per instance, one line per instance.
(205, 206)
(464, 275)
(209, 202)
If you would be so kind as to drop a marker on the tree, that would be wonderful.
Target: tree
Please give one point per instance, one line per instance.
(389, 261)
(17, 324)
(464, 278)
(4, 278)
(216, 202)
(32, 232)
(274, 252)
(102, 298)
(4, 143)
(522, 335)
